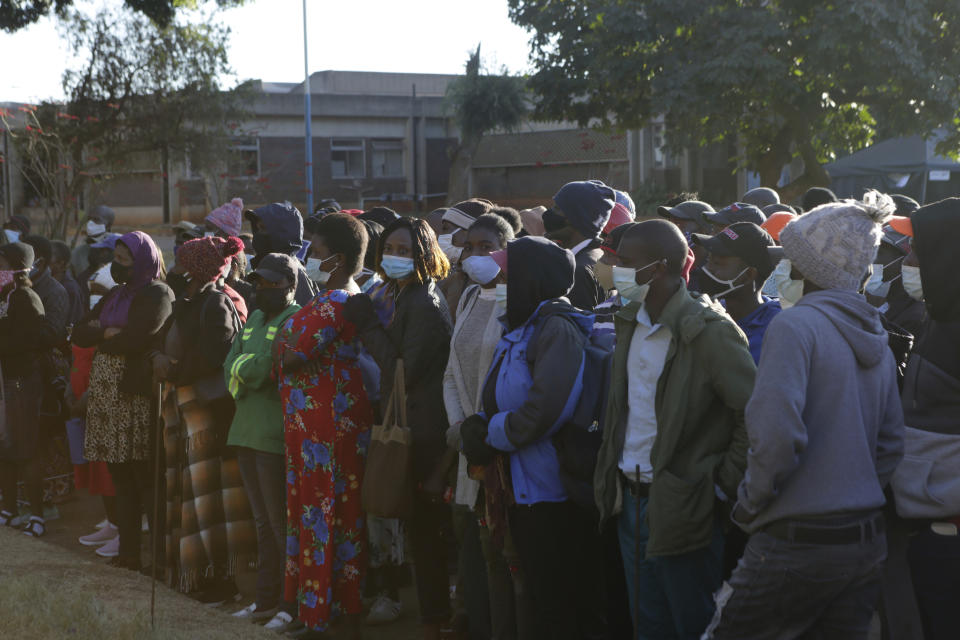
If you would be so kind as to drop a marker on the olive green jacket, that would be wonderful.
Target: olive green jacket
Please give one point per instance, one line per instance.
(701, 440)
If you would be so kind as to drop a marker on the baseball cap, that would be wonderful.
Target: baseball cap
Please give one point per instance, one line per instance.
(107, 241)
(902, 225)
(689, 210)
(743, 240)
(612, 241)
(736, 212)
(274, 267)
(771, 209)
(776, 222)
(761, 197)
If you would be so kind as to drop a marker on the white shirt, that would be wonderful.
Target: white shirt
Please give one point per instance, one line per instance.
(645, 361)
(580, 247)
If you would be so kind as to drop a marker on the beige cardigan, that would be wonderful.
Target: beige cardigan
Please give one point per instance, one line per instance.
(456, 397)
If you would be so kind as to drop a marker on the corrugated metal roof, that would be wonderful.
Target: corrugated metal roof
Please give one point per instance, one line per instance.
(542, 148)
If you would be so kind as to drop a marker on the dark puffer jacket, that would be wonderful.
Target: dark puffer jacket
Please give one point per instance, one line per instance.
(926, 484)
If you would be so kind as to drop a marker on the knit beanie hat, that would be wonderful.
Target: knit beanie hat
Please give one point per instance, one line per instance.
(18, 254)
(228, 217)
(835, 244)
(586, 205)
(207, 258)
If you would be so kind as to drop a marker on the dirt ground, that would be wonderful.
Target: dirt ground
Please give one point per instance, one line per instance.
(56, 588)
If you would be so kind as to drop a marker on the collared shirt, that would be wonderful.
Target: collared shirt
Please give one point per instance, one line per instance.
(645, 362)
(756, 322)
(580, 247)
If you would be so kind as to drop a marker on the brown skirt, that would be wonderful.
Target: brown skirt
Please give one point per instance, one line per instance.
(119, 425)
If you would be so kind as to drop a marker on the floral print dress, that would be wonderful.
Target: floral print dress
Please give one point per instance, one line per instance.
(327, 420)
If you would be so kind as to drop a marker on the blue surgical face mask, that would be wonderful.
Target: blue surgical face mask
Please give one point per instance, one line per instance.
(12, 236)
(371, 281)
(396, 268)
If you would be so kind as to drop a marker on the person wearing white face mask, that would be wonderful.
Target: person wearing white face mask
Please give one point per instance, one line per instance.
(416, 330)
(737, 265)
(453, 224)
(98, 223)
(475, 337)
(682, 375)
(926, 485)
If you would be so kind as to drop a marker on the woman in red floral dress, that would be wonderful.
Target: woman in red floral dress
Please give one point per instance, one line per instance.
(327, 420)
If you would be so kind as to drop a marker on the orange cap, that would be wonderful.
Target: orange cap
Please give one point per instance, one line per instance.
(776, 222)
(902, 225)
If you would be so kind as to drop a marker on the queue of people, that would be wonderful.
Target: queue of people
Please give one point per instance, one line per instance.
(732, 422)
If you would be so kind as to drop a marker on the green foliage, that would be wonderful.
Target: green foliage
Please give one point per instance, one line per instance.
(784, 78)
(483, 102)
(16, 14)
(138, 95)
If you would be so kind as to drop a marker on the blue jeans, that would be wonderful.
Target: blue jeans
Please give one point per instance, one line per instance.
(786, 589)
(670, 596)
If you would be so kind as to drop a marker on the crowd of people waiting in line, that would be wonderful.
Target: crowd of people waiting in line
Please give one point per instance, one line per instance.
(733, 423)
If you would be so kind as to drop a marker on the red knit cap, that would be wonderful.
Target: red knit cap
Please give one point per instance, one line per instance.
(206, 258)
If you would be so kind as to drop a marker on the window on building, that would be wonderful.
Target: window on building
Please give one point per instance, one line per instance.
(243, 158)
(346, 158)
(388, 158)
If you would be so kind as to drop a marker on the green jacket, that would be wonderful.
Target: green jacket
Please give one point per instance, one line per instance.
(701, 439)
(248, 369)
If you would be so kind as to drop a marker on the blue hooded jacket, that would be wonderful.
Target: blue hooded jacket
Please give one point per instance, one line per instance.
(536, 378)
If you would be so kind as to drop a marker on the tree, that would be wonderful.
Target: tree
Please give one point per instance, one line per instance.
(782, 78)
(16, 14)
(481, 103)
(138, 94)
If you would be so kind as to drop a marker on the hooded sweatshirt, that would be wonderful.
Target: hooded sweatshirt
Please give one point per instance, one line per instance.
(283, 233)
(824, 422)
(926, 484)
(537, 377)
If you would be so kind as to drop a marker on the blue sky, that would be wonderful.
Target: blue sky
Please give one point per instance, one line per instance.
(425, 36)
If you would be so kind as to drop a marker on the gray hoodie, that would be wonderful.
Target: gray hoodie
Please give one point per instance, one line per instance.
(824, 422)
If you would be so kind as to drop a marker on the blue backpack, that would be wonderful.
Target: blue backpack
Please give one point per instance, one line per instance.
(578, 441)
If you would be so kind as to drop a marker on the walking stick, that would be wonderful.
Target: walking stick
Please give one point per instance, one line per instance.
(636, 565)
(158, 444)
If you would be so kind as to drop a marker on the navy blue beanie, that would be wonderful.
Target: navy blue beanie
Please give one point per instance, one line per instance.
(587, 205)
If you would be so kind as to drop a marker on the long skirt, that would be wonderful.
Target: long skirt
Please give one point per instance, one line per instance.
(210, 526)
(119, 425)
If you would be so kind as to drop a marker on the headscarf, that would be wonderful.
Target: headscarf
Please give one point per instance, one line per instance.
(146, 268)
(206, 259)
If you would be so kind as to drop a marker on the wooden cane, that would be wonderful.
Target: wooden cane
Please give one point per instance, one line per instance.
(158, 444)
(636, 565)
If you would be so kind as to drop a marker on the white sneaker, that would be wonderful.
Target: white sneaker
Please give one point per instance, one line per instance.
(111, 549)
(279, 622)
(384, 611)
(251, 612)
(102, 524)
(99, 537)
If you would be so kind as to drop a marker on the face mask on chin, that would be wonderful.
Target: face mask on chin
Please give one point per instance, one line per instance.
(449, 249)
(716, 287)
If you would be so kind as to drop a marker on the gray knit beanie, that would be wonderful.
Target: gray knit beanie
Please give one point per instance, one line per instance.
(834, 244)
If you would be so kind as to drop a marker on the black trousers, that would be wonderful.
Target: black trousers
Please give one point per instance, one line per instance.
(430, 528)
(136, 486)
(562, 558)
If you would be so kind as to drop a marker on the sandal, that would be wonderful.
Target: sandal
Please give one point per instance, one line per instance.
(36, 527)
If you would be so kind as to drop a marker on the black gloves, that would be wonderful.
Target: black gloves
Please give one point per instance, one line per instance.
(473, 434)
(359, 310)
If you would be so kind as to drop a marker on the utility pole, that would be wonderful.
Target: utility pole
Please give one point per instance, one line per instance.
(307, 117)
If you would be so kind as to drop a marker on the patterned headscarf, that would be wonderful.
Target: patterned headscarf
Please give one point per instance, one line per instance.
(206, 259)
